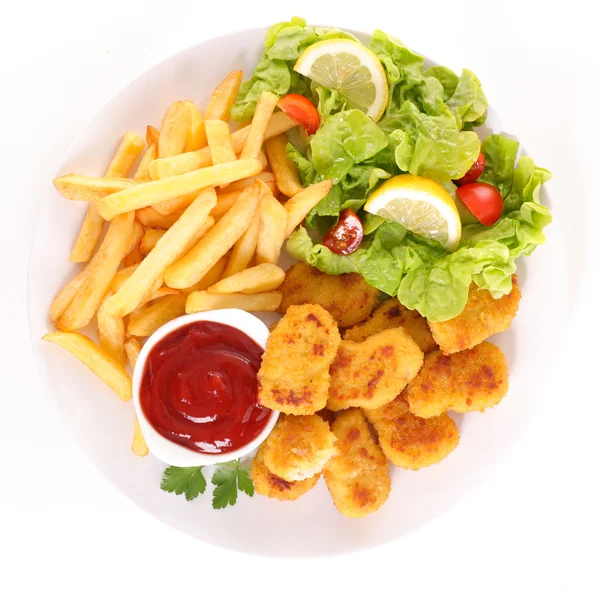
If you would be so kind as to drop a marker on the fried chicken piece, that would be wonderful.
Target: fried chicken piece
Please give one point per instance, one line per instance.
(392, 314)
(358, 478)
(348, 298)
(372, 373)
(409, 441)
(268, 484)
(471, 380)
(298, 447)
(482, 317)
(294, 374)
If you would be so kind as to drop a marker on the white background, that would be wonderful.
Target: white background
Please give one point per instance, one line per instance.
(529, 531)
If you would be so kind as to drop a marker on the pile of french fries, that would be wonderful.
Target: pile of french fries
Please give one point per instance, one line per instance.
(199, 226)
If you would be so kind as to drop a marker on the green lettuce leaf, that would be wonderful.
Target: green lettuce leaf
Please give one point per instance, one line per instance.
(447, 77)
(468, 102)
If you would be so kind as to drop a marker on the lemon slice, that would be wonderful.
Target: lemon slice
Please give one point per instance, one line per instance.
(421, 205)
(351, 68)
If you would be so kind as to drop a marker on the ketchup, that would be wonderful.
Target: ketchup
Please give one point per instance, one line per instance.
(199, 388)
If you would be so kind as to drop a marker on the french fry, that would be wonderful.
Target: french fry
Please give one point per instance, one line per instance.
(285, 171)
(97, 360)
(245, 247)
(262, 278)
(159, 293)
(129, 149)
(136, 237)
(264, 110)
(134, 258)
(174, 130)
(167, 249)
(223, 97)
(150, 238)
(152, 136)
(219, 141)
(225, 200)
(271, 232)
(302, 203)
(152, 218)
(210, 278)
(103, 267)
(152, 192)
(111, 334)
(264, 161)
(156, 315)
(191, 161)
(62, 300)
(196, 137)
(132, 350)
(143, 170)
(265, 176)
(121, 276)
(138, 443)
(90, 189)
(191, 267)
(265, 302)
(178, 204)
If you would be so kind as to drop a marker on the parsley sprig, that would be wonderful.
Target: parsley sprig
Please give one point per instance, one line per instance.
(228, 478)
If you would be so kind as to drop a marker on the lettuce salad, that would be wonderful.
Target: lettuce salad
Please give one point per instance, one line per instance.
(428, 130)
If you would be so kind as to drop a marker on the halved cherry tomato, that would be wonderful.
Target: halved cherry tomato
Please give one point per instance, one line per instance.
(345, 237)
(483, 200)
(302, 111)
(474, 173)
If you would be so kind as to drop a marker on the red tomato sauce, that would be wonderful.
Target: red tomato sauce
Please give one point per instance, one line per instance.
(199, 388)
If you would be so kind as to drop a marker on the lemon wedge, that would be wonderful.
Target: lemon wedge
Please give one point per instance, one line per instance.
(421, 205)
(350, 68)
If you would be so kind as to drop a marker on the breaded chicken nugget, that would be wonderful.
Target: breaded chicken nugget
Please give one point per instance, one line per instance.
(298, 447)
(358, 478)
(268, 484)
(294, 374)
(392, 314)
(482, 317)
(471, 380)
(409, 441)
(348, 298)
(372, 373)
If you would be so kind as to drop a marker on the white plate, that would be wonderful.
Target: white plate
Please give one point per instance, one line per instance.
(310, 526)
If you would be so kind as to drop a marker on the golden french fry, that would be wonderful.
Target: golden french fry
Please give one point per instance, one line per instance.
(302, 203)
(173, 205)
(285, 171)
(152, 218)
(210, 278)
(271, 232)
(191, 267)
(150, 238)
(191, 161)
(138, 443)
(97, 360)
(265, 302)
(244, 249)
(223, 97)
(65, 296)
(136, 237)
(143, 170)
(153, 291)
(174, 130)
(262, 278)
(167, 249)
(225, 200)
(90, 189)
(134, 258)
(121, 276)
(264, 110)
(265, 177)
(111, 334)
(152, 192)
(264, 161)
(219, 141)
(196, 137)
(156, 315)
(132, 350)
(152, 135)
(103, 267)
(161, 292)
(129, 150)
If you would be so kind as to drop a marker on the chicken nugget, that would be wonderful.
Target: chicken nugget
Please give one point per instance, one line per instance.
(392, 314)
(482, 317)
(348, 298)
(268, 484)
(471, 380)
(358, 478)
(294, 374)
(409, 441)
(372, 373)
(298, 447)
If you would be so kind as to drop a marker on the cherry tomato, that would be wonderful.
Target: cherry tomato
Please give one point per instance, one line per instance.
(474, 173)
(345, 237)
(483, 200)
(302, 111)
